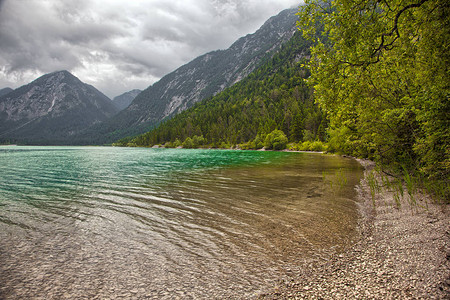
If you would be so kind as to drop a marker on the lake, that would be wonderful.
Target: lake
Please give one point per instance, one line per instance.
(99, 222)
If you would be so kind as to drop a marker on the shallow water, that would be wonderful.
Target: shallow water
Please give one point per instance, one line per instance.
(87, 222)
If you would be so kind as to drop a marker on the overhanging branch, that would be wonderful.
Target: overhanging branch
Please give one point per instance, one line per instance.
(394, 30)
(384, 45)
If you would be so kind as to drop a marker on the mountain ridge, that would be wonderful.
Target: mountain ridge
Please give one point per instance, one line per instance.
(124, 100)
(52, 109)
(204, 76)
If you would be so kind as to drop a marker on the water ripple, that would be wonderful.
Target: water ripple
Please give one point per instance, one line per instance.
(141, 223)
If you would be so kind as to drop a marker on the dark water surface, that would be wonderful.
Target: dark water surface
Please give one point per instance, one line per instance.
(99, 222)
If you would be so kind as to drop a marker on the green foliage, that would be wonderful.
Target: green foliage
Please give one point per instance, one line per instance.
(188, 143)
(316, 146)
(276, 140)
(380, 72)
(258, 142)
(410, 186)
(177, 143)
(373, 185)
(123, 142)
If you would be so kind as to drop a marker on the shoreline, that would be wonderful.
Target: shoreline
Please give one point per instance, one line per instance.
(401, 253)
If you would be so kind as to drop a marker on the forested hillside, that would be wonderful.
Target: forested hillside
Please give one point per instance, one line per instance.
(273, 97)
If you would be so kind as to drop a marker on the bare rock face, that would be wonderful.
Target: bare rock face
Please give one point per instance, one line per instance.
(201, 78)
(51, 109)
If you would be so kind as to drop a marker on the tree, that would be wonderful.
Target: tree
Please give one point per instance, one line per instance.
(188, 143)
(380, 72)
(297, 128)
(276, 140)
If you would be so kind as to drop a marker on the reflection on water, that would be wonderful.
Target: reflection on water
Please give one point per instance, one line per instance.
(86, 222)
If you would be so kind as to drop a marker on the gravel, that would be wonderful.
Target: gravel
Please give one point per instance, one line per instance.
(401, 253)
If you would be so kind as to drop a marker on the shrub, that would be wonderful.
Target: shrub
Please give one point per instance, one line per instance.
(258, 142)
(276, 140)
(317, 146)
(194, 142)
(198, 141)
(177, 143)
(224, 145)
(246, 146)
(305, 146)
(188, 143)
(293, 147)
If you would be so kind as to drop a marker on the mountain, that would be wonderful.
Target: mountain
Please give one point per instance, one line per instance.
(273, 97)
(124, 100)
(201, 78)
(5, 91)
(51, 110)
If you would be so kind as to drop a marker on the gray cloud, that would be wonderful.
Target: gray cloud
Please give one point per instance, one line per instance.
(119, 45)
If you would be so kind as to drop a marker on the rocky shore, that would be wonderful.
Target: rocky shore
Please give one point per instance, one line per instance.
(402, 253)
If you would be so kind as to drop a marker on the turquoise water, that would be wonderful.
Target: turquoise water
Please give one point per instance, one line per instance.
(84, 222)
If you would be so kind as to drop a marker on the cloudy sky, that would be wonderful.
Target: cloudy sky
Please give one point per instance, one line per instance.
(119, 45)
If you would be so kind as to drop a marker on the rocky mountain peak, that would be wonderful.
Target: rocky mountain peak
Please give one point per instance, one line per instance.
(55, 102)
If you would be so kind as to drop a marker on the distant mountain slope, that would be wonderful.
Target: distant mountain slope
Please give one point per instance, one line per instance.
(5, 91)
(199, 79)
(124, 100)
(275, 96)
(51, 110)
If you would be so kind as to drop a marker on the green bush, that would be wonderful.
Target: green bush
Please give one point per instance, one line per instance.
(246, 146)
(305, 146)
(194, 142)
(276, 140)
(224, 145)
(188, 143)
(258, 142)
(293, 147)
(198, 141)
(177, 143)
(317, 146)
